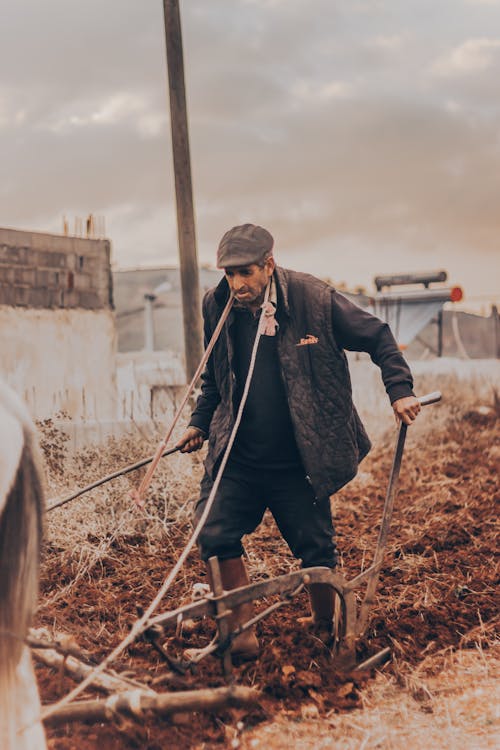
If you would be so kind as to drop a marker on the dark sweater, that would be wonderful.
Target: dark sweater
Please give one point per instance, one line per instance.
(265, 436)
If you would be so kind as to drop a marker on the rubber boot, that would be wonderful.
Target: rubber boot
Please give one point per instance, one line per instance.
(245, 646)
(234, 574)
(322, 599)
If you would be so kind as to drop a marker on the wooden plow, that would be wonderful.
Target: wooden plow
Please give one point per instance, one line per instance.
(352, 620)
(219, 606)
(129, 698)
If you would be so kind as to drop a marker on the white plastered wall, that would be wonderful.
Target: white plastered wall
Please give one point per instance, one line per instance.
(60, 361)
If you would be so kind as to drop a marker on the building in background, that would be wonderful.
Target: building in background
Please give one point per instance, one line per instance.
(57, 327)
(149, 314)
(149, 308)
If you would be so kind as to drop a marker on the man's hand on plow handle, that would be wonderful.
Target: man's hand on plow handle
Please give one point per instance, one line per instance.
(406, 409)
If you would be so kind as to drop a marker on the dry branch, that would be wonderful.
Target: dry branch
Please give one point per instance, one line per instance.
(135, 703)
(106, 682)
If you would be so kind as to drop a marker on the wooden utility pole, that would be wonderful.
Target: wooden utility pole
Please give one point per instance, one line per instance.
(440, 334)
(496, 331)
(191, 307)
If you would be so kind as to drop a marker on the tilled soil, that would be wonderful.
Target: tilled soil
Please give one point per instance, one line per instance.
(437, 590)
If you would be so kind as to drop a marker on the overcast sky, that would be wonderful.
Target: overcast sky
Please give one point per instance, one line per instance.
(364, 134)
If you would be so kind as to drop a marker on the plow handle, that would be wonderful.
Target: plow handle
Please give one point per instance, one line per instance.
(430, 398)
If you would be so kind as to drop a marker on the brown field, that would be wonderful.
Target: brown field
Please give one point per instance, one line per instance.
(437, 603)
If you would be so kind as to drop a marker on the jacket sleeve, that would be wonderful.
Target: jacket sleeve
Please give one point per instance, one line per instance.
(209, 397)
(357, 330)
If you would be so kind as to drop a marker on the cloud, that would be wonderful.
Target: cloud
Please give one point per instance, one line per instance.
(305, 90)
(376, 173)
(390, 43)
(326, 121)
(472, 57)
(111, 111)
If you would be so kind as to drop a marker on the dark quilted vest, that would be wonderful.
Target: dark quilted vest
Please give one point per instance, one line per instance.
(329, 434)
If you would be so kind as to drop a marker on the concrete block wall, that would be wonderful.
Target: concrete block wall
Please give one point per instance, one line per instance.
(52, 271)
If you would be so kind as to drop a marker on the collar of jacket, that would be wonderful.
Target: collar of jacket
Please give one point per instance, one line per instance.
(280, 275)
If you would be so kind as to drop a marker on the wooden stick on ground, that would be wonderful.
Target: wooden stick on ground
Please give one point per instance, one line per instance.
(79, 671)
(134, 703)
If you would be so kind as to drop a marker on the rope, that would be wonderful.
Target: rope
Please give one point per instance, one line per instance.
(139, 494)
(141, 624)
(134, 702)
(110, 708)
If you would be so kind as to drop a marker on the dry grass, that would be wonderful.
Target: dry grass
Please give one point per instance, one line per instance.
(83, 532)
(107, 511)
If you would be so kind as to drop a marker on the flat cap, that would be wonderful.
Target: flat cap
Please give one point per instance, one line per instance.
(244, 245)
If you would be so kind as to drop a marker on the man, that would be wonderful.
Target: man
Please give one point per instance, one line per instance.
(300, 437)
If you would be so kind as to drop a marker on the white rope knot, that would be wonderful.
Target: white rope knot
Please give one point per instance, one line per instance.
(134, 702)
(268, 324)
(110, 710)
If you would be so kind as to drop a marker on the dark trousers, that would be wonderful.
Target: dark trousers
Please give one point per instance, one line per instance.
(239, 505)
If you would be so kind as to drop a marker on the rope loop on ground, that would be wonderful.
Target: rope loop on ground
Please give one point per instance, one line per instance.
(110, 708)
(134, 699)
